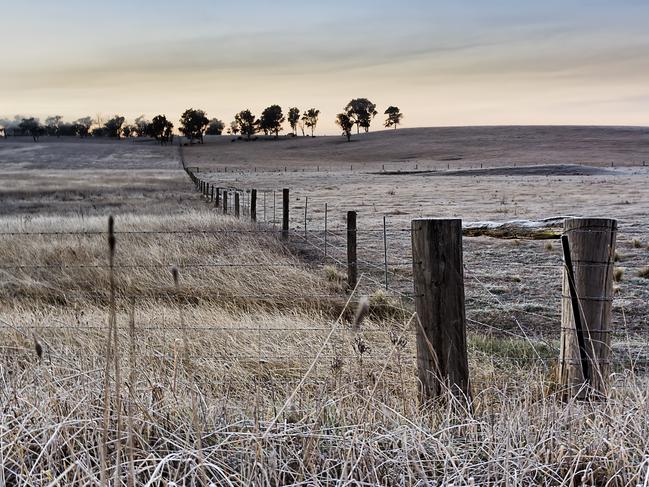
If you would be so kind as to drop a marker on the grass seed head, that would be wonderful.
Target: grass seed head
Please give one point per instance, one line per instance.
(362, 310)
(38, 348)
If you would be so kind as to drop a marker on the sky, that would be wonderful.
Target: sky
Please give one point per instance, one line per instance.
(443, 63)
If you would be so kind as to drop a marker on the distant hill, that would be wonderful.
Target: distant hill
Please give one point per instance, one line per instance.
(505, 145)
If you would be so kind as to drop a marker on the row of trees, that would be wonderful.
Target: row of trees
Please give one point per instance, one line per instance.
(194, 124)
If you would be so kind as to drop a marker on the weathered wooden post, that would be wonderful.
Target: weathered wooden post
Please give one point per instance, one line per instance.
(217, 196)
(253, 205)
(589, 250)
(325, 234)
(439, 299)
(306, 208)
(212, 194)
(385, 252)
(225, 201)
(352, 262)
(236, 204)
(285, 210)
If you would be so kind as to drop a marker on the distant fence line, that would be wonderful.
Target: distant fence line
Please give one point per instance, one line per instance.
(439, 297)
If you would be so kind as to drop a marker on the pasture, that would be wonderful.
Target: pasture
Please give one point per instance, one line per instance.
(250, 368)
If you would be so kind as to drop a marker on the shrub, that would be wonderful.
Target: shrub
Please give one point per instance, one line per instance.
(618, 274)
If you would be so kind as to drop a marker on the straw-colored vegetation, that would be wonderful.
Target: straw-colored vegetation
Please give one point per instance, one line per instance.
(259, 374)
(213, 388)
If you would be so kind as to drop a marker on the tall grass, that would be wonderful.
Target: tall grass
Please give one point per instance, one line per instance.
(233, 394)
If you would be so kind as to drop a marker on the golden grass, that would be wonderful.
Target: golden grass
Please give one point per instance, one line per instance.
(198, 374)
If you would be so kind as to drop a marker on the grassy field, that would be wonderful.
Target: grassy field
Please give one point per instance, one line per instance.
(250, 370)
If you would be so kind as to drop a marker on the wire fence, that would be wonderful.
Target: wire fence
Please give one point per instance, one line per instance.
(511, 295)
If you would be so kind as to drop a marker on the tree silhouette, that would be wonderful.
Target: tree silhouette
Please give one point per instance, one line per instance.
(160, 129)
(67, 130)
(82, 126)
(247, 122)
(310, 119)
(33, 127)
(271, 120)
(215, 127)
(141, 126)
(113, 127)
(346, 123)
(394, 117)
(361, 111)
(193, 124)
(53, 124)
(293, 118)
(234, 127)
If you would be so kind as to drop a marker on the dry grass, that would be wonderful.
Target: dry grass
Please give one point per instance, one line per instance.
(71, 269)
(618, 274)
(208, 380)
(356, 418)
(197, 377)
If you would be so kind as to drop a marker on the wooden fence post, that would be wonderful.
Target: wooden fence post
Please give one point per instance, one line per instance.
(325, 233)
(225, 201)
(438, 275)
(352, 262)
(587, 283)
(285, 210)
(385, 252)
(212, 194)
(218, 194)
(253, 205)
(306, 209)
(236, 204)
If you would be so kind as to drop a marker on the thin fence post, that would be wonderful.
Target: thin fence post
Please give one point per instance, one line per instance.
(236, 204)
(352, 262)
(325, 233)
(588, 285)
(385, 252)
(253, 205)
(216, 201)
(274, 211)
(285, 210)
(438, 276)
(225, 201)
(265, 205)
(306, 206)
(212, 194)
